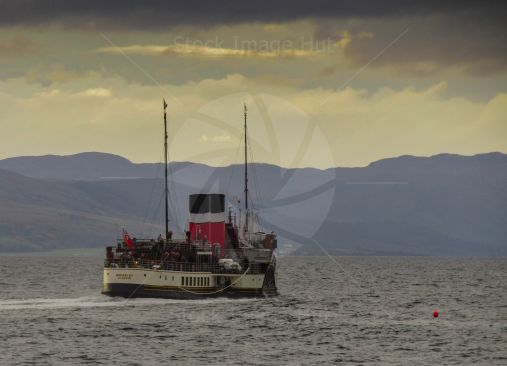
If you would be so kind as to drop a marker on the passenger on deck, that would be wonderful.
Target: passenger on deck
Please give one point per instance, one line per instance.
(170, 261)
(246, 263)
(109, 255)
(165, 259)
(125, 259)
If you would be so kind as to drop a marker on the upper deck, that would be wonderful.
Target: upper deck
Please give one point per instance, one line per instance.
(187, 256)
(252, 268)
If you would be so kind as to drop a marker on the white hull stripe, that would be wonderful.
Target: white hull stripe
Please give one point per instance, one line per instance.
(207, 217)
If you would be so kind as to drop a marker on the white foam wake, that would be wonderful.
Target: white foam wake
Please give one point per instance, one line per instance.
(97, 301)
(80, 302)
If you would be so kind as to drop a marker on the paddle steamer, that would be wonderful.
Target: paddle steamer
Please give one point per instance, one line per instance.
(217, 256)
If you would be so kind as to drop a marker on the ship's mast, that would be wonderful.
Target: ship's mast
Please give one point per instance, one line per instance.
(165, 165)
(246, 177)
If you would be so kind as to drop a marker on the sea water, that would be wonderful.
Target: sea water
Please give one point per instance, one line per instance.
(340, 310)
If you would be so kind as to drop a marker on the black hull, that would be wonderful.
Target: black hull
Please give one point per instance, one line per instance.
(133, 290)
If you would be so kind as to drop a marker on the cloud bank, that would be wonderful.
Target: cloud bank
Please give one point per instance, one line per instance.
(361, 126)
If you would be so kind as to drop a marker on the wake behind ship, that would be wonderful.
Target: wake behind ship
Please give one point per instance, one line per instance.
(217, 257)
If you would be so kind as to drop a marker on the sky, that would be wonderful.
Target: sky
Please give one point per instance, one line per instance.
(325, 83)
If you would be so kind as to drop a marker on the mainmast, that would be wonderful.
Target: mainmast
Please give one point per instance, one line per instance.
(165, 165)
(246, 177)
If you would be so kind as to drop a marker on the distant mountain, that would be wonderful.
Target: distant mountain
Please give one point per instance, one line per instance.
(84, 166)
(440, 205)
(38, 214)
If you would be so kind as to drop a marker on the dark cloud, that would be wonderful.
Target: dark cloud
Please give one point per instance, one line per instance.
(134, 14)
(470, 38)
(470, 35)
(433, 44)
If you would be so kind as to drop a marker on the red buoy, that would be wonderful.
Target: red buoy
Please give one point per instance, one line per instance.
(435, 314)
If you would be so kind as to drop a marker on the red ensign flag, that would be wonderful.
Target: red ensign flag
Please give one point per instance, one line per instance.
(127, 239)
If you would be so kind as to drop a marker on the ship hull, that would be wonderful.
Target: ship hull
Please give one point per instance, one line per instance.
(140, 291)
(135, 283)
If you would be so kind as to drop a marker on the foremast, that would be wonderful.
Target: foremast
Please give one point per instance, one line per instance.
(247, 213)
(166, 189)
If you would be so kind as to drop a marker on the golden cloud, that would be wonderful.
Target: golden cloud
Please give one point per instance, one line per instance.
(97, 92)
(254, 49)
(110, 115)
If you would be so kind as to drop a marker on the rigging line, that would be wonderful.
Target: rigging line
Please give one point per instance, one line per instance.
(255, 213)
(172, 203)
(252, 174)
(151, 193)
(260, 202)
(254, 210)
(158, 207)
(255, 175)
(232, 166)
(238, 149)
(257, 186)
(172, 190)
(259, 216)
(253, 196)
(187, 220)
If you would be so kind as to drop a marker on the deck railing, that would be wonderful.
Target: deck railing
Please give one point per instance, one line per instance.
(253, 268)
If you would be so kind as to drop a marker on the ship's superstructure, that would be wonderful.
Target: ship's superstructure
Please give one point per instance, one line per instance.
(216, 257)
